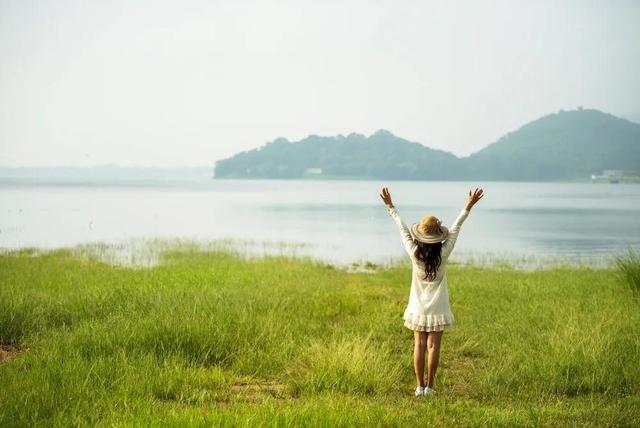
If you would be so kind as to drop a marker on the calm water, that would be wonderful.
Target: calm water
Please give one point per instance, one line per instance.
(338, 221)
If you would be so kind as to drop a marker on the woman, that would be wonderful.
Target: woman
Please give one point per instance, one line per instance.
(429, 244)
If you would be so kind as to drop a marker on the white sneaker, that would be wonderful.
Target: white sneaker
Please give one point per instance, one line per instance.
(419, 391)
(429, 391)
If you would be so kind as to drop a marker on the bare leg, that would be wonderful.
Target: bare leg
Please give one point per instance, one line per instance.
(418, 355)
(434, 355)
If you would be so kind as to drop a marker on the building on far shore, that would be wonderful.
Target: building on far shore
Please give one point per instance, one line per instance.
(312, 171)
(615, 176)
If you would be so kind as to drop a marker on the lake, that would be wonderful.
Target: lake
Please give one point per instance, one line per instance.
(337, 221)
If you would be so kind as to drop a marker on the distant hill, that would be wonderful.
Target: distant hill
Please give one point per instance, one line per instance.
(382, 155)
(561, 146)
(102, 173)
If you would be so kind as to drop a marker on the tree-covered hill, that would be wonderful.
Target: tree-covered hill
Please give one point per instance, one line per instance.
(559, 146)
(381, 155)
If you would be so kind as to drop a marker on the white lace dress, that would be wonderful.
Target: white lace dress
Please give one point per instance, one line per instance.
(428, 308)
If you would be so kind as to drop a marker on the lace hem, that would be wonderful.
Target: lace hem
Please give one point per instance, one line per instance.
(438, 322)
(416, 327)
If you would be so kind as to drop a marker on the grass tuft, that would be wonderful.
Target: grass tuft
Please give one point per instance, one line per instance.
(628, 263)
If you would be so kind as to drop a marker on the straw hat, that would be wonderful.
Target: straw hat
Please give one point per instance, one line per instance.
(429, 230)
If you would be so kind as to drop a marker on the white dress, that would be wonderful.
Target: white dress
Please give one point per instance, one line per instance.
(428, 308)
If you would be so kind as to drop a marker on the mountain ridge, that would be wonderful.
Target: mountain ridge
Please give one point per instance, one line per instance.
(565, 145)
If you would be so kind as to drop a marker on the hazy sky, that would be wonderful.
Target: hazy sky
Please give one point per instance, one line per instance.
(189, 82)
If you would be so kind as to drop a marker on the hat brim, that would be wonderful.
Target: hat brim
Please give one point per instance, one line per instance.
(428, 238)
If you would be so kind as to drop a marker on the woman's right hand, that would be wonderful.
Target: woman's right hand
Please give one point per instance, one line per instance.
(386, 197)
(474, 197)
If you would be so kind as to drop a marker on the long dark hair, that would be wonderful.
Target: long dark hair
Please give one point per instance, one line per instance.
(429, 255)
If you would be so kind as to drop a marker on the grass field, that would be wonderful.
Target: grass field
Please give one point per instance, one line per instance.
(211, 338)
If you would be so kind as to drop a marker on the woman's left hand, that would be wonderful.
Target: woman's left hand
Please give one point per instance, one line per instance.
(386, 197)
(474, 198)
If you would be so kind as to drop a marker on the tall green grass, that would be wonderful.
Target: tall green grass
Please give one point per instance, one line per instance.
(628, 264)
(211, 338)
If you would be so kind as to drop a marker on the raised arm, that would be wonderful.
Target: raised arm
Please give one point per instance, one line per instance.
(407, 239)
(454, 230)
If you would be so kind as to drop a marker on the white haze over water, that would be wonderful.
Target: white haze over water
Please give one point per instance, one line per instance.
(190, 82)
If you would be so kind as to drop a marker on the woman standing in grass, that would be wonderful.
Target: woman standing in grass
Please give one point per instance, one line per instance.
(429, 244)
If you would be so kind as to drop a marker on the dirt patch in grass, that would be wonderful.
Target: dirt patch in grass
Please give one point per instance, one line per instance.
(8, 352)
(257, 391)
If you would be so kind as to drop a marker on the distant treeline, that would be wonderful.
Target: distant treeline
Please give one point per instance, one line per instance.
(566, 145)
(104, 172)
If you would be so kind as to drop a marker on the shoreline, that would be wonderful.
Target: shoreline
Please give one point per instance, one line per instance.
(150, 252)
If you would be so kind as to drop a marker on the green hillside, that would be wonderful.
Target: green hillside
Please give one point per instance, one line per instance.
(560, 146)
(566, 145)
(381, 155)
